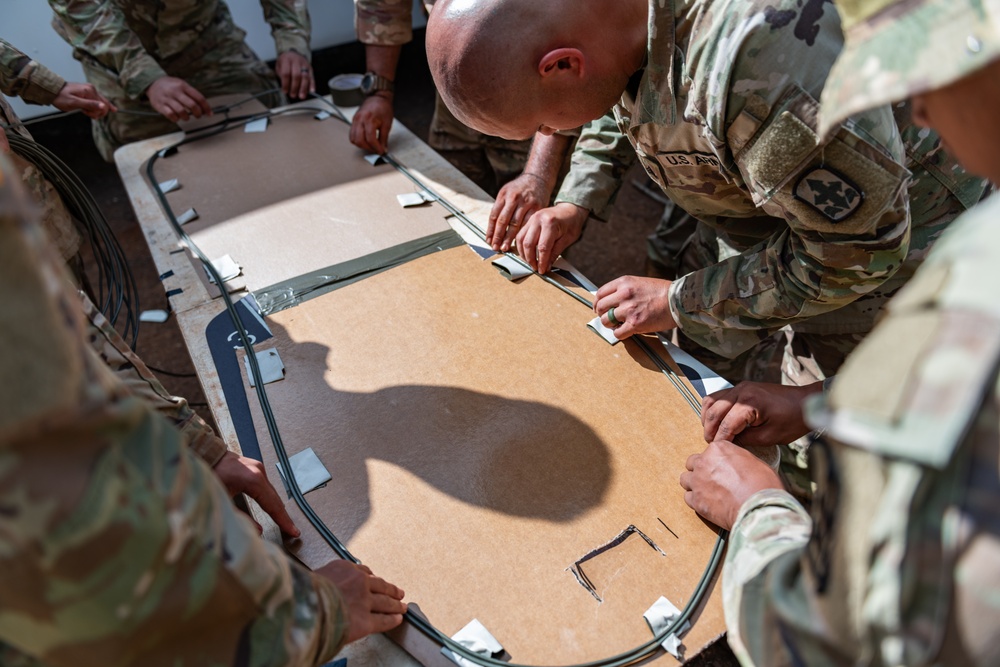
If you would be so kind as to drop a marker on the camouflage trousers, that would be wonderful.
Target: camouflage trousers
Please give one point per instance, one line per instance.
(490, 162)
(220, 64)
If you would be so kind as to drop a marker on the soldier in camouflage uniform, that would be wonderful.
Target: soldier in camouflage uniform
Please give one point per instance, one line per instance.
(117, 544)
(36, 84)
(721, 109)
(521, 174)
(158, 61)
(487, 160)
(896, 563)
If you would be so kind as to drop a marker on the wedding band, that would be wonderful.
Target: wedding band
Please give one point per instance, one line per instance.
(611, 318)
(304, 70)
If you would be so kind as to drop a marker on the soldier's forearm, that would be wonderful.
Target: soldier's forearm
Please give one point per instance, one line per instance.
(548, 152)
(382, 59)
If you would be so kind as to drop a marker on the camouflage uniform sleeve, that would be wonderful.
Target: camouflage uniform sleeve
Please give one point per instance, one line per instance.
(117, 544)
(820, 262)
(598, 165)
(142, 382)
(98, 29)
(20, 76)
(770, 533)
(290, 25)
(383, 22)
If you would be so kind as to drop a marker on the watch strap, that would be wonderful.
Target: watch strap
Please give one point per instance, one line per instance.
(374, 83)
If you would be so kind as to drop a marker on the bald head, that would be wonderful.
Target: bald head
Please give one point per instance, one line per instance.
(511, 67)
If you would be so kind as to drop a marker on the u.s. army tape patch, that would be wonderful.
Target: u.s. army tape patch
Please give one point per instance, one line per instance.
(829, 192)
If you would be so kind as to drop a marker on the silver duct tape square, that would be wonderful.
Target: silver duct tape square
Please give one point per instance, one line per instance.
(475, 637)
(187, 216)
(309, 471)
(271, 367)
(659, 617)
(511, 269)
(604, 332)
(226, 267)
(259, 125)
(169, 186)
(158, 316)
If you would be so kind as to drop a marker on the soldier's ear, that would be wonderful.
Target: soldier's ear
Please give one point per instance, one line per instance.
(562, 62)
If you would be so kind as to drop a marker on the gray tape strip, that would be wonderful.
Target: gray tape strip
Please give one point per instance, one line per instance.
(292, 292)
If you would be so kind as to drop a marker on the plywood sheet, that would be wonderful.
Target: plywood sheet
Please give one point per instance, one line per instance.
(481, 441)
(293, 199)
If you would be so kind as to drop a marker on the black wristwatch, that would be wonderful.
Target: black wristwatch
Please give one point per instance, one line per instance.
(372, 83)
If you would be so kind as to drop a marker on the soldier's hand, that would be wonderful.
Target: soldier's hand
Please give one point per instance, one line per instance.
(722, 478)
(641, 305)
(372, 123)
(176, 99)
(83, 96)
(516, 202)
(240, 474)
(373, 604)
(548, 233)
(755, 414)
(295, 74)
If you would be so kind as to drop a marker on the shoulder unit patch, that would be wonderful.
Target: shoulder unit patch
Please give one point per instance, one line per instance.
(831, 193)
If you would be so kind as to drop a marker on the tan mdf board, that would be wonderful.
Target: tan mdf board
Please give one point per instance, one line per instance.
(481, 440)
(291, 200)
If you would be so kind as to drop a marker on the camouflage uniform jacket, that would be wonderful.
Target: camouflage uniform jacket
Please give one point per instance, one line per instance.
(898, 562)
(138, 39)
(724, 119)
(118, 546)
(37, 84)
(20, 76)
